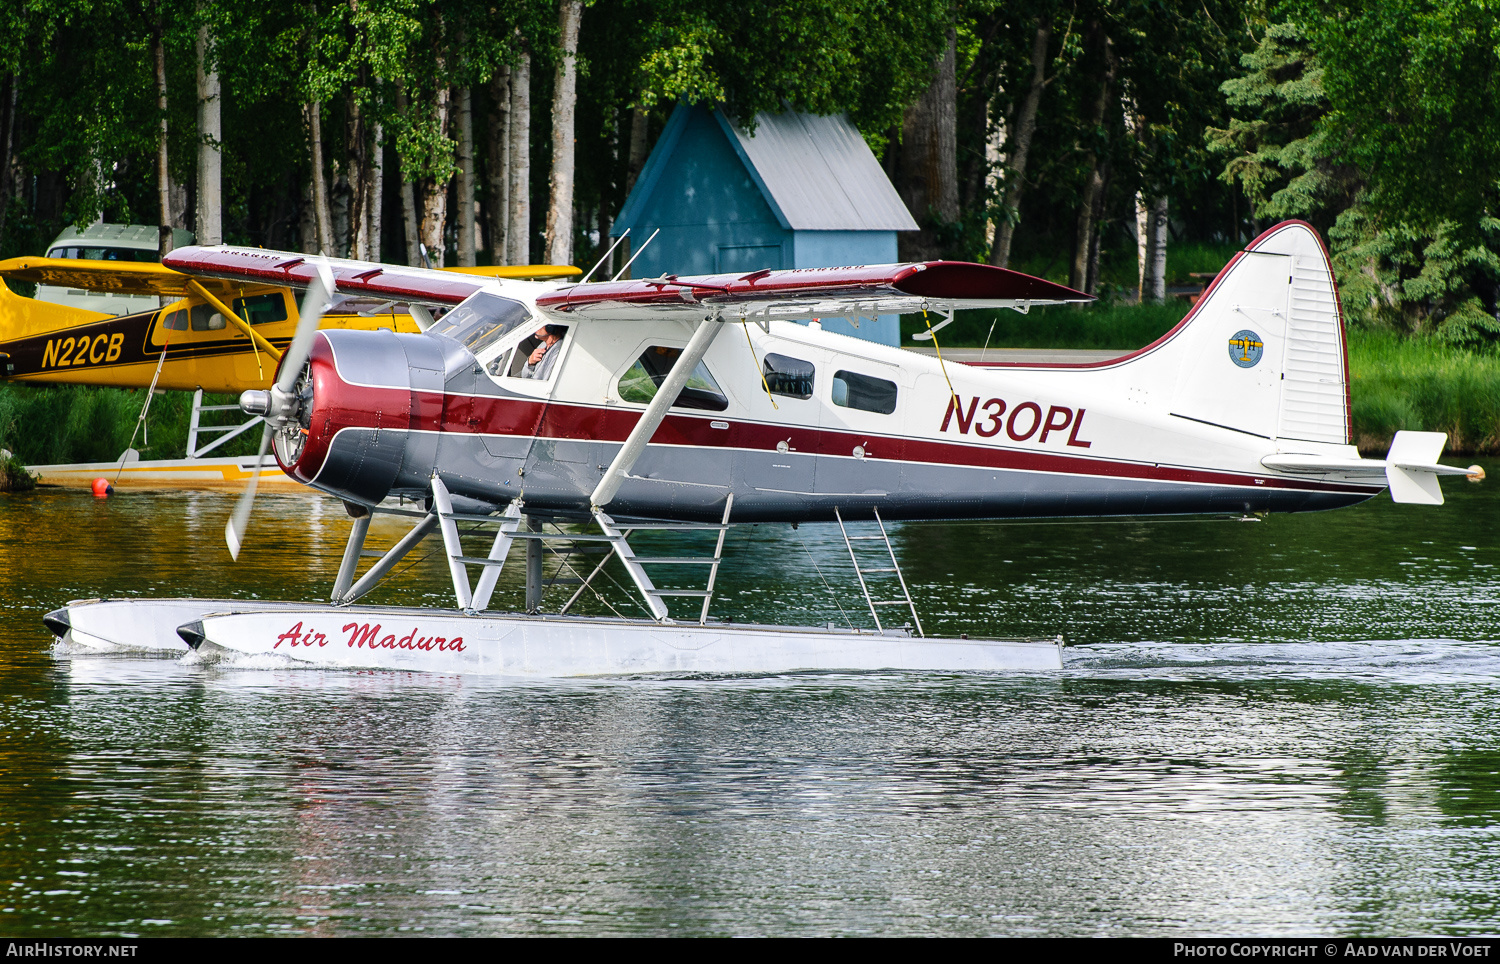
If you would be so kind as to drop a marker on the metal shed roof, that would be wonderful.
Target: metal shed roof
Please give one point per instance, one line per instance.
(818, 173)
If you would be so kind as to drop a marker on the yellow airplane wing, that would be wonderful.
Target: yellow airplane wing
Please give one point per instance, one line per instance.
(119, 277)
(537, 272)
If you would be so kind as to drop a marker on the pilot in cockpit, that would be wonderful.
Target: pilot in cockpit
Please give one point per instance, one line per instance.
(539, 363)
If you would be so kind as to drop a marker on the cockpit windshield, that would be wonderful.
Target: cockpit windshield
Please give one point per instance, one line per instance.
(481, 320)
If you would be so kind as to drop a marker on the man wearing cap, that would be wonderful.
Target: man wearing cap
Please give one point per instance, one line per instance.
(539, 365)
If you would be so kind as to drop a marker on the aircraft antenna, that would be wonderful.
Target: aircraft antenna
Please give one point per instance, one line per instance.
(606, 256)
(636, 255)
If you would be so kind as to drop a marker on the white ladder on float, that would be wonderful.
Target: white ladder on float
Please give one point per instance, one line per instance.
(615, 534)
(197, 428)
(634, 564)
(894, 567)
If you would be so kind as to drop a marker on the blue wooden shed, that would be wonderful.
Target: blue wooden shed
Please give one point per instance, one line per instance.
(802, 192)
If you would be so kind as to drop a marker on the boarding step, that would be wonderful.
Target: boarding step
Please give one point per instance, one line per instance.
(862, 571)
(636, 565)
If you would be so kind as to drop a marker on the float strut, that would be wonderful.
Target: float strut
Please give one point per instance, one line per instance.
(351, 556)
(533, 566)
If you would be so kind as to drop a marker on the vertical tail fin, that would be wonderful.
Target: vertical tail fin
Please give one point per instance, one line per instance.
(1263, 350)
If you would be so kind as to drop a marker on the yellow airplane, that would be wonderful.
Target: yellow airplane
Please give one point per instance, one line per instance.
(218, 335)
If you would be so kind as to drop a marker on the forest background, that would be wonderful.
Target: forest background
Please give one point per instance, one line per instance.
(1120, 146)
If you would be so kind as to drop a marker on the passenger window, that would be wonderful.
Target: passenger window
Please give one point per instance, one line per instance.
(206, 319)
(787, 376)
(261, 309)
(863, 392)
(640, 383)
(176, 321)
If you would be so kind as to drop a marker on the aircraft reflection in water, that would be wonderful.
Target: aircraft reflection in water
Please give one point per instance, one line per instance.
(693, 402)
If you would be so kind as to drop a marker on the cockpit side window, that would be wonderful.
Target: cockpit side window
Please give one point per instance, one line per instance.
(205, 318)
(536, 355)
(482, 320)
(852, 390)
(640, 383)
(788, 376)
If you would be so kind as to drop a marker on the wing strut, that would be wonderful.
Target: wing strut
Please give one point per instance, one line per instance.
(651, 419)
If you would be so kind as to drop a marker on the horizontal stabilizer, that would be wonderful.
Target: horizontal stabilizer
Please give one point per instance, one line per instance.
(1410, 468)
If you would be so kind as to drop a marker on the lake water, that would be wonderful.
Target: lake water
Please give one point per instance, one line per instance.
(1282, 727)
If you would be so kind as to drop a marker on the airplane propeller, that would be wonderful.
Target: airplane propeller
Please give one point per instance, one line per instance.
(282, 404)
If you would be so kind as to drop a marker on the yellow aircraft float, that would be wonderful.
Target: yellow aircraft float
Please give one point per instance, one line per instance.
(222, 336)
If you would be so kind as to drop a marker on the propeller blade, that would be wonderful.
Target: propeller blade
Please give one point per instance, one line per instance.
(234, 529)
(315, 302)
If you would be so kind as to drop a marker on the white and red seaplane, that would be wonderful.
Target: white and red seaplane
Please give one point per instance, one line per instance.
(594, 411)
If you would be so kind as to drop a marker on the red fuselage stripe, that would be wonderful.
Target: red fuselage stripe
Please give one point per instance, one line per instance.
(524, 418)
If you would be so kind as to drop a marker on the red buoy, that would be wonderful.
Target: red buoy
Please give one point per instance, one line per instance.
(102, 488)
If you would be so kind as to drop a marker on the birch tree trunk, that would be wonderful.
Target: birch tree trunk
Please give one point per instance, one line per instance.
(499, 163)
(354, 233)
(163, 174)
(1015, 181)
(564, 110)
(518, 238)
(464, 220)
(435, 193)
(1094, 185)
(322, 215)
(1154, 284)
(929, 157)
(374, 196)
(7, 135)
(637, 158)
(1142, 243)
(209, 218)
(635, 162)
(408, 197)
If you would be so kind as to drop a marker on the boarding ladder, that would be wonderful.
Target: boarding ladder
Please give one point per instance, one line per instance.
(861, 571)
(197, 428)
(612, 540)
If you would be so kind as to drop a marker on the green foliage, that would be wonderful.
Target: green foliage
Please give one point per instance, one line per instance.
(1422, 384)
(58, 424)
(13, 475)
(1278, 151)
(1412, 88)
(867, 57)
(1376, 123)
(1414, 280)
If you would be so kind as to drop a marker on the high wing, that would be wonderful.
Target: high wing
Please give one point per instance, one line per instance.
(813, 292)
(118, 277)
(438, 287)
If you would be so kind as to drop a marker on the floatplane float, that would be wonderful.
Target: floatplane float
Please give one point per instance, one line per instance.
(588, 413)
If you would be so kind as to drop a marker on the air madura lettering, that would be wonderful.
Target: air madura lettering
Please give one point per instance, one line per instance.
(368, 636)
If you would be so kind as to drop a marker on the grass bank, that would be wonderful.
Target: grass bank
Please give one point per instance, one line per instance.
(1400, 383)
(45, 425)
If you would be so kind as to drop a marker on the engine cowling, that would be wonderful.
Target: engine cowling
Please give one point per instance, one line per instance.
(368, 427)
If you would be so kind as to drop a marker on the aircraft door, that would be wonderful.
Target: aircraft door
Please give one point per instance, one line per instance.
(784, 459)
(865, 406)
